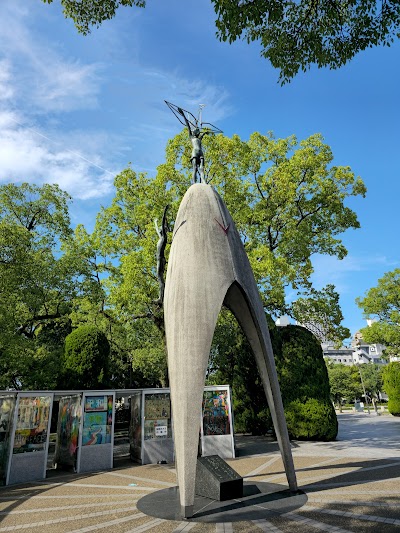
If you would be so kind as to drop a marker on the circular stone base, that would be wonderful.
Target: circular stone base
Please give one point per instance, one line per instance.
(259, 501)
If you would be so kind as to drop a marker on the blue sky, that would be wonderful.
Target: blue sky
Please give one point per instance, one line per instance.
(76, 110)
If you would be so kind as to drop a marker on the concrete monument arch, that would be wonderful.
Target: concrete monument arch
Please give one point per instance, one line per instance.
(208, 267)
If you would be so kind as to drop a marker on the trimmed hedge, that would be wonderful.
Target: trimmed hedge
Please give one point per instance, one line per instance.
(311, 420)
(304, 384)
(86, 358)
(394, 406)
(391, 383)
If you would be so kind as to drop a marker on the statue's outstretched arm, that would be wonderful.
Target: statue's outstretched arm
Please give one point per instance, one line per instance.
(157, 228)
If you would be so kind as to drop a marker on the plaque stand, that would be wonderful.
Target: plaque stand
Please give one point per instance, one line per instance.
(216, 480)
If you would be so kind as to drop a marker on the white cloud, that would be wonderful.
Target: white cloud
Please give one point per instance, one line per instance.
(67, 86)
(328, 269)
(42, 85)
(26, 156)
(43, 77)
(37, 86)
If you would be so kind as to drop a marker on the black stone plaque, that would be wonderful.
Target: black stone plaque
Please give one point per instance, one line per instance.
(216, 480)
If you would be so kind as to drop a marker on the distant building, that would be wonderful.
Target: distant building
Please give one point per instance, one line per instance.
(283, 321)
(341, 355)
(359, 352)
(367, 353)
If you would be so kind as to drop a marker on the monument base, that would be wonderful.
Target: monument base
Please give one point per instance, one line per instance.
(260, 501)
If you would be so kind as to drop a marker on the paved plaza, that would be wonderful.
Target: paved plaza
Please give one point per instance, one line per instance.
(350, 485)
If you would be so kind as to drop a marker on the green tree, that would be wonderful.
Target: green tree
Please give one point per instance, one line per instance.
(128, 237)
(232, 361)
(344, 383)
(86, 358)
(289, 203)
(391, 381)
(302, 376)
(296, 35)
(321, 314)
(287, 198)
(91, 304)
(373, 381)
(292, 35)
(383, 303)
(36, 281)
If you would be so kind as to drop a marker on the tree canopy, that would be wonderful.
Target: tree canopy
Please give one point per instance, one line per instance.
(321, 314)
(36, 282)
(302, 375)
(288, 202)
(293, 35)
(345, 383)
(383, 303)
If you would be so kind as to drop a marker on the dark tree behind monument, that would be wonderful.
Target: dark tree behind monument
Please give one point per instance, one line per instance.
(304, 383)
(86, 358)
(302, 374)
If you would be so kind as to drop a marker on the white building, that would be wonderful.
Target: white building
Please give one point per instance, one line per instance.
(359, 352)
(367, 353)
(343, 355)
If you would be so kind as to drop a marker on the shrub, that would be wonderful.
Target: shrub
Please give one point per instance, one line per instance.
(391, 383)
(302, 375)
(311, 420)
(394, 406)
(304, 384)
(86, 358)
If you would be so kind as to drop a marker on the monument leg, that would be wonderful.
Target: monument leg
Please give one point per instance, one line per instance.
(187, 370)
(258, 336)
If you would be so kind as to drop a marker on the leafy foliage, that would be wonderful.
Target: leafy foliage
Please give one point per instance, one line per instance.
(296, 35)
(282, 223)
(311, 420)
(321, 314)
(232, 361)
(383, 303)
(36, 282)
(391, 379)
(293, 35)
(300, 365)
(87, 13)
(86, 358)
(372, 378)
(304, 383)
(344, 382)
(288, 201)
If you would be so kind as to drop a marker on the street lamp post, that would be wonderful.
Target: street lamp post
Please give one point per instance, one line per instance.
(365, 394)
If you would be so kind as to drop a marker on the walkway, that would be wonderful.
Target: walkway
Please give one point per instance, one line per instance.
(350, 485)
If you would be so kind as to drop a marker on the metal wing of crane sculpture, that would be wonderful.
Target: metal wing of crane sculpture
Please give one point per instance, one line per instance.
(182, 114)
(197, 130)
